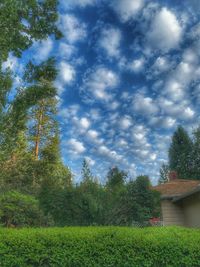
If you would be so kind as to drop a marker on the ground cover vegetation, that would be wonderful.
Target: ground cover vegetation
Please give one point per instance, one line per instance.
(100, 246)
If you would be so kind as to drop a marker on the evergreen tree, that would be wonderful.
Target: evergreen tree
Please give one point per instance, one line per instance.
(86, 172)
(180, 153)
(195, 158)
(164, 174)
(115, 178)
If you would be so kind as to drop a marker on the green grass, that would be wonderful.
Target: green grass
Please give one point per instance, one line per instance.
(100, 246)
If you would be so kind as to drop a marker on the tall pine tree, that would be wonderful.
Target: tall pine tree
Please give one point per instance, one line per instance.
(180, 151)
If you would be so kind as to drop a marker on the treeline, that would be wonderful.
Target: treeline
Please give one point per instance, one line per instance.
(183, 156)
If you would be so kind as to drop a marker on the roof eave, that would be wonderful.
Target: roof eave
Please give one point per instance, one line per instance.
(178, 198)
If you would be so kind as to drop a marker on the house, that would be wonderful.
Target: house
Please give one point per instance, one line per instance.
(180, 202)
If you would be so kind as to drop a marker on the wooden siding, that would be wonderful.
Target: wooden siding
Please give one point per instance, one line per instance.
(172, 213)
(191, 206)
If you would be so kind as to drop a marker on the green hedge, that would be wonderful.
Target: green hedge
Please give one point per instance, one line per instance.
(100, 246)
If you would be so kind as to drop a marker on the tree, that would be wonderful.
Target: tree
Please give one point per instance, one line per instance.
(164, 174)
(115, 178)
(42, 115)
(115, 188)
(17, 209)
(16, 160)
(86, 172)
(146, 199)
(195, 157)
(180, 153)
(25, 22)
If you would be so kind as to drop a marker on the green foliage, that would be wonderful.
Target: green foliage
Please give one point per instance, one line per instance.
(100, 247)
(180, 153)
(164, 174)
(195, 162)
(115, 178)
(23, 22)
(17, 209)
(86, 172)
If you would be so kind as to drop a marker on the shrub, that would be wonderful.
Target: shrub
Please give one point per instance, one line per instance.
(17, 209)
(99, 247)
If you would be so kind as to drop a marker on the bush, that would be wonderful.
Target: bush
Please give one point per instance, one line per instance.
(17, 209)
(99, 247)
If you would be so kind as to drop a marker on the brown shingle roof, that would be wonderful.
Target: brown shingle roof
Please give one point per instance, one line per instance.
(176, 187)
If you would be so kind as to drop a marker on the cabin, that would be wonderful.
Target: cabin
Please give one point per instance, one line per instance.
(180, 202)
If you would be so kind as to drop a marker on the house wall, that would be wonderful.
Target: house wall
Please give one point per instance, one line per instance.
(172, 213)
(191, 207)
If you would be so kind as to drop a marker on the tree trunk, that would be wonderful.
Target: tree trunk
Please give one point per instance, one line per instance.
(38, 132)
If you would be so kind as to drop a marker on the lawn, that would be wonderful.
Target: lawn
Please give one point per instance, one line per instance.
(100, 246)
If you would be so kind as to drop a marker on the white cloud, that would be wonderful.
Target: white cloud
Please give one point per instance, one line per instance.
(72, 28)
(66, 72)
(43, 49)
(177, 110)
(11, 63)
(111, 154)
(90, 161)
(144, 105)
(76, 3)
(84, 123)
(66, 50)
(93, 134)
(125, 122)
(76, 146)
(163, 122)
(174, 90)
(161, 64)
(127, 9)
(137, 65)
(166, 31)
(110, 41)
(139, 136)
(100, 83)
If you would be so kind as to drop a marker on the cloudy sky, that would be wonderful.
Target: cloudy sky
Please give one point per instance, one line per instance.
(129, 73)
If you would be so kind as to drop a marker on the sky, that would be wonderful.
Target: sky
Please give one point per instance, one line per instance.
(129, 73)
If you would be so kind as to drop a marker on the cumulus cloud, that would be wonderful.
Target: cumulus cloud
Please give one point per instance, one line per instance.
(72, 28)
(76, 146)
(111, 154)
(90, 161)
(110, 41)
(166, 32)
(144, 105)
(125, 122)
(84, 123)
(127, 9)
(93, 134)
(137, 65)
(76, 3)
(162, 122)
(161, 65)
(100, 83)
(177, 110)
(66, 50)
(66, 72)
(43, 49)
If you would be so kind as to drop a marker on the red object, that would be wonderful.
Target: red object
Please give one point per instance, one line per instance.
(173, 175)
(154, 221)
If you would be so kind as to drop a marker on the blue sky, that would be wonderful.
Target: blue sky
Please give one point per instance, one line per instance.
(129, 73)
